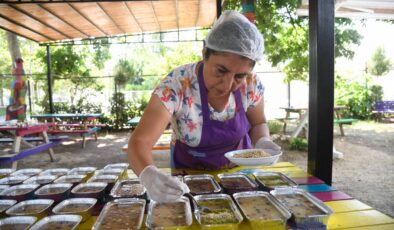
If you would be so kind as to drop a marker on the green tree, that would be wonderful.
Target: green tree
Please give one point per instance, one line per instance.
(379, 64)
(286, 35)
(74, 63)
(126, 71)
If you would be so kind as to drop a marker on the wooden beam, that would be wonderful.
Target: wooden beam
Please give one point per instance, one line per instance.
(25, 27)
(24, 36)
(154, 13)
(109, 16)
(87, 19)
(135, 19)
(17, 8)
(61, 19)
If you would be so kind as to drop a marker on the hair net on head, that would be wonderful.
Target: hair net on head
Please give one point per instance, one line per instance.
(233, 33)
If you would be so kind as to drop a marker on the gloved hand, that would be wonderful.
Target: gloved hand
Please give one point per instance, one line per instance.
(266, 143)
(162, 187)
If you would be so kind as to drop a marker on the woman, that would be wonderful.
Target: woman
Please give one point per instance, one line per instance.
(214, 106)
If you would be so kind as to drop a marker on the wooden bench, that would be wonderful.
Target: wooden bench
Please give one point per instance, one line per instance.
(82, 132)
(14, 157)
(383, 108)
(344, 121)
(36, 139)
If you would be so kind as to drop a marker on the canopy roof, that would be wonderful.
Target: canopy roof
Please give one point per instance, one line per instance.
(56, 20)
(380, 9)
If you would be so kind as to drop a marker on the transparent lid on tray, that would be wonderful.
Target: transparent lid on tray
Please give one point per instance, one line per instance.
(201, 184)
(304, 207)
(43, 179)
(217, 210)
(259, 205)
(273, 180)
(13, 180)
(17, 222)
(30, 207)
(56, 172)
(128, 188)
(125, 213)
(27, 172)
(69, 222)
(169, 215)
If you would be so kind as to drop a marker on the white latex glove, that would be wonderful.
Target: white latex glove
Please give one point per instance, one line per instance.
(266, 143)
(162, 187)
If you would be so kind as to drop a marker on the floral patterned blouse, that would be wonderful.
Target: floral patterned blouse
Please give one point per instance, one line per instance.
(180, 93)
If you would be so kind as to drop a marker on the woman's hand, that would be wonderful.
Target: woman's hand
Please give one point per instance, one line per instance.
(266, 143)
(162, 187)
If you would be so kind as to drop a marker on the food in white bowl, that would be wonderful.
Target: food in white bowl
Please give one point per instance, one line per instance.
(253, 157)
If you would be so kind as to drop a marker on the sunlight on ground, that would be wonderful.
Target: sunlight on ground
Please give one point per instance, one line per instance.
(68, 142)
(373, 126)
(101, 145)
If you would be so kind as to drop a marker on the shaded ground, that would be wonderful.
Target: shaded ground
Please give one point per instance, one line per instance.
(365, 172)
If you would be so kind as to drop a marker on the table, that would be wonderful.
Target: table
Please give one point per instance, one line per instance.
(17, 134)
(84, 124)
(349, 213)
(300, 111)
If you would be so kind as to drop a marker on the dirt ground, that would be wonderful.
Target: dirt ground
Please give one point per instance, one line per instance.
(366, 172)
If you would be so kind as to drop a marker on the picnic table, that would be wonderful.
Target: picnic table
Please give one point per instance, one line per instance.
(83, 124)
(16, 135)
(302, 119)
(348, 213)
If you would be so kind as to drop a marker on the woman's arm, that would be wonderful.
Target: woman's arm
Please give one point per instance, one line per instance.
(258, 122)
(152, 124)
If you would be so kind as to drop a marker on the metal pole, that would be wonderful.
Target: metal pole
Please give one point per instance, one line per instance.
(321, 88)
(288, 94)
(29, 94)
(49, 79)
(218, 8)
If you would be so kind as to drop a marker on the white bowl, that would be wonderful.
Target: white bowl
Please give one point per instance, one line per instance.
(256, 161)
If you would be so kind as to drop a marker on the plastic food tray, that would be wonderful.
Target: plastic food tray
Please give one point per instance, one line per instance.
(303, 221)
(4, 205)
(19, 192)
(264, 211)
(18, 222)
(85, 213)
(95, 190)
(51, 222)
(56, 172)
(202, 184)
(158, 217)
(129, 215)
(42, 180)
(271, 180)
(128, 188)
(6, 172)
(27, 172)
(236, 182)
(56, 192)
(227, 203)
(41, 208)
(73, 179)
(13, 180)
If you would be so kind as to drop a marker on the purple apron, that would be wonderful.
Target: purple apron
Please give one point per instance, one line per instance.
(217, 138)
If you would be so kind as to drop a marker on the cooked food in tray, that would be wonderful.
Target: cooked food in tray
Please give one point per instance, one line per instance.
(299, 205)
(121, 214)
(169, 214)
(259, 208)
(201, 184)
(58, 222)
(219, 212)
(17, 222)
(128, 188)
(233, 182)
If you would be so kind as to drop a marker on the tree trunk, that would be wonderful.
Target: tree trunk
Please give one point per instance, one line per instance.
(13, 46)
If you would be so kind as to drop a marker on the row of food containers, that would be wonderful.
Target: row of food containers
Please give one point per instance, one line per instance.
(219, 210)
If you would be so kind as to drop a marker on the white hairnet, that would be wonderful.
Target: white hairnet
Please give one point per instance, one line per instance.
(234, 33)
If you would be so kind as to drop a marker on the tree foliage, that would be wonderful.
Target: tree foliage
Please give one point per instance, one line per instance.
(126, 72)
(286, 35)
(379, 64)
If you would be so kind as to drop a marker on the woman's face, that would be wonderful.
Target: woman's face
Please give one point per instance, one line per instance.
(225, 72)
